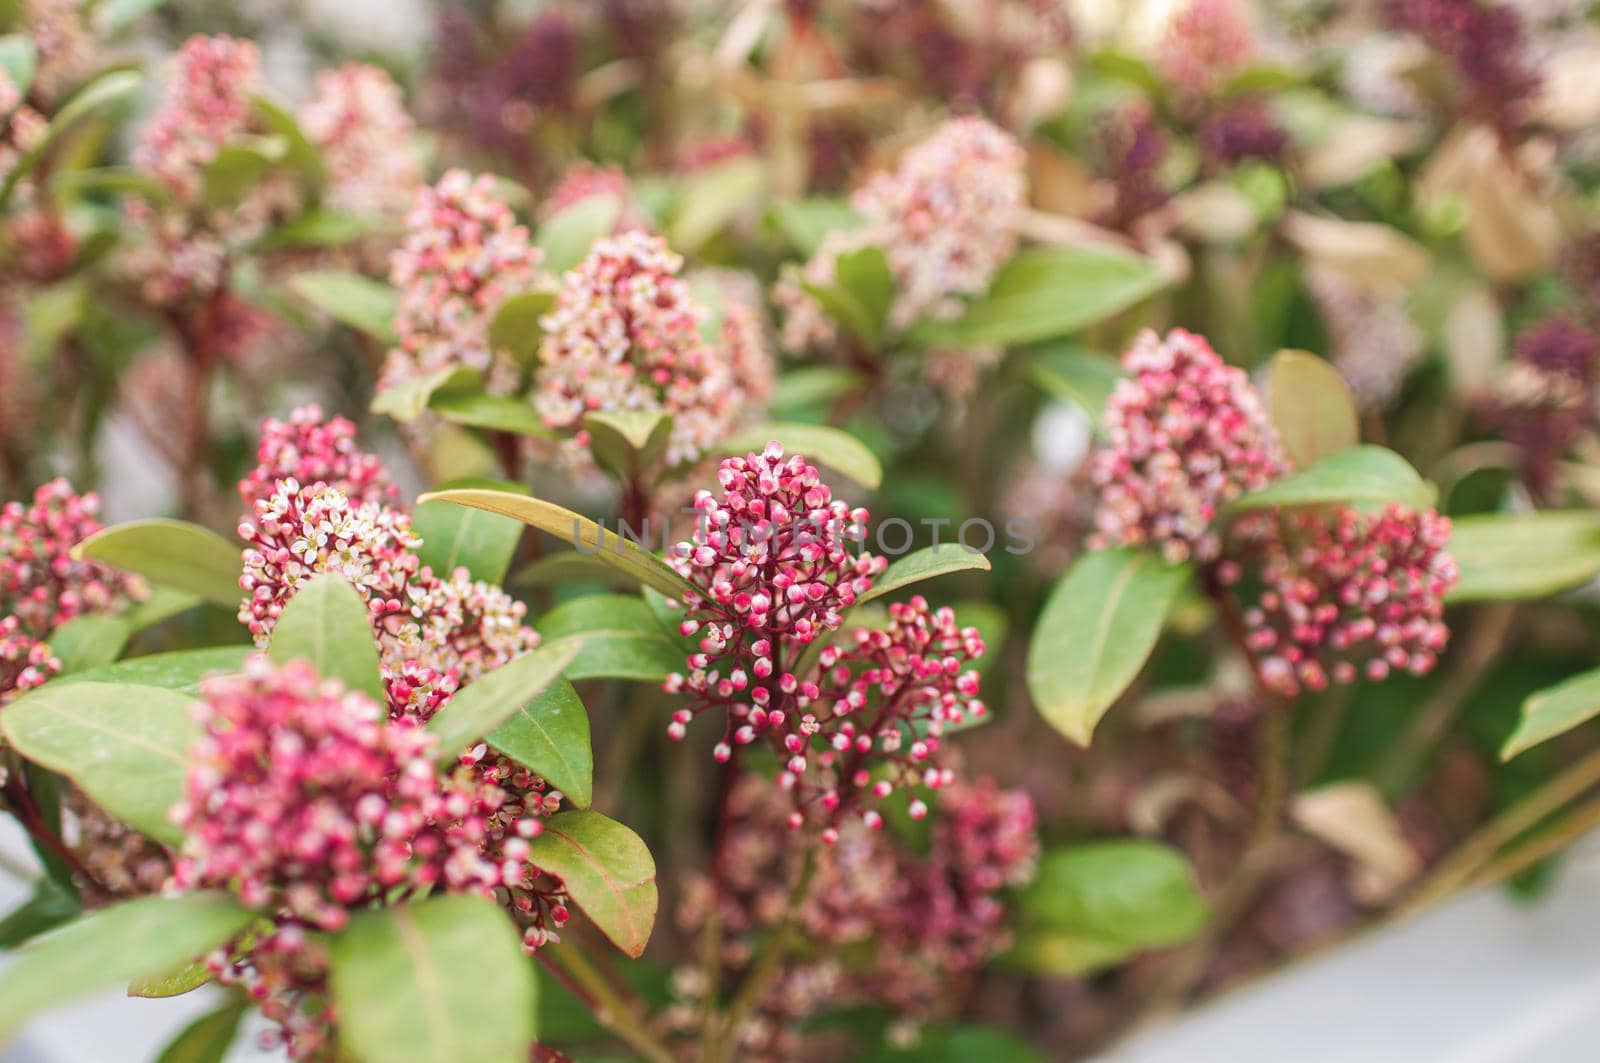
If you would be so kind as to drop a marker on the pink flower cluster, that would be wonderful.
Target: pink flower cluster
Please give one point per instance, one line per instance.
(625, 335)
(21, 127)
(944, 219)
(312, 449)
(40, 583)
(25, 662)
(207, 104)
(1185, 434)
(359, 122)
(306, 800)
(1345, 594)
(463, 253)
(66, 47)
(773, 568)
(1204, 43)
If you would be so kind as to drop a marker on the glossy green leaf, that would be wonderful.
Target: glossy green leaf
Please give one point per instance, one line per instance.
(1311, 406)
(589, 537)
(88, 642)
(162, 603)
(113, 946)
(208, 1038)
(361, 303)
(1524, 555)
(569, 566)
(608, 872)
(1554, 711)
(567, 236)
(617, 636)
(107, 89)
(1364, 474)
(1097, 628)
(126, 746)
(815, 385)
(1047, 292)
(172, 553)
(171, 983)
(483, 705)
(405, 400)
(627, 442)
(327, 625)
(807, 222)
(50, 905)
(550, 735)
(1083, 377)
(860, 294)
(181, 670)
(455, 536)
(1095, 903)
(821, 445)
(475, 408)
(924, 564)
(440, 981)
(298, 149)
(713, 197)
(515, 326)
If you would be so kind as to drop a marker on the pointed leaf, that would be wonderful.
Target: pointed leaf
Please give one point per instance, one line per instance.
(113, 946)
(1554, 711)
(88, 642)
(1361, 474)
(182, 670)
(713, 197)
(860, 294)
(405, 400)
(1076, 374)
(359, 302)
(821, 445)
(1524, 555)
(1047, 292)
(922, 565)
(1311, 406)
(608, 873)
(628, 441)
(491, 699)
(589, 537)
(105, 90)
(567, 236)
(455, 536)
(550, 735)
(50, 906)
(617, 636)
(298, 149)
(171, 553)
(126, 746)
(208, 1038)
(327, 625)
(477, 409)
(515, 326)
(318, 228)
(439, 981)
(1095, 632)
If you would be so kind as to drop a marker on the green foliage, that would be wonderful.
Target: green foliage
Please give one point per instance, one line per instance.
(1555, 711)
(358, 302)
(821, 445)
(326, 624)
(608, 873)
(615, 637)
(484, 704)
(456, 537)
(550, 735)
(1363, 474)
(1524, 555)
(171, 553)
(1311, 406)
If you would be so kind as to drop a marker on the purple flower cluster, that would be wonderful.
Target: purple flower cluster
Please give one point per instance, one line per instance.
(1486, 43)
(1185, 434)
(1546, 400)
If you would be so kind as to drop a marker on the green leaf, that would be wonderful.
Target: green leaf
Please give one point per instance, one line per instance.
(406, 400)
(550, 735)
(807, 222)
(439, 981)
(162, 603)
(319, 229)
(208, 1038)
(515, 326)
(326, 624)
(922, 565)
(113, 16)
(1095, 903)
(567, 235)
(112, 947)
(50, 906)
(1080, 376)
(1095, 632)
(1364, 474)
(713, 197)
(591, 538)
(475, 408)
(1311, 406)
(238, 167)
(112, 181)
(454, 536)
(627, 442)
(860, 294)
(171, 553)
(361, 303)
(1554, 711)
(1129, 69)
(569, 566)
(821, 445)
(815, 385)
(125, 746)
(618, 638)
(171, 983)
(1523, 555)
(87, 642)
(181, 670)
(105, 90)
(1044, 293)
(298, 149)
(608, 873)
(19, 60)
(488, 701)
